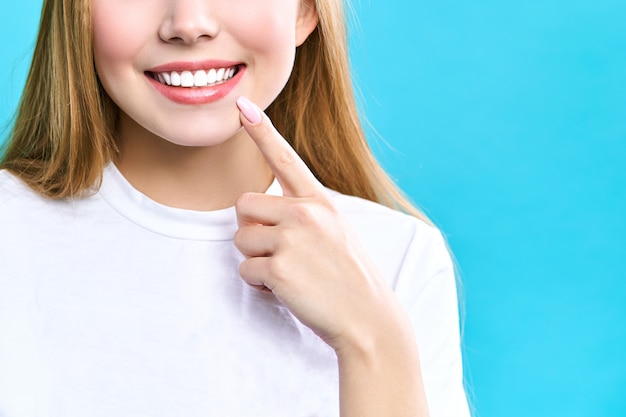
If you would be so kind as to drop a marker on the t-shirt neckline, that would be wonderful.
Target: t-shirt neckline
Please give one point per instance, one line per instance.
(215, 225)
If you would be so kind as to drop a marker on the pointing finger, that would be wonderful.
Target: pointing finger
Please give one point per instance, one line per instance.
(292, 173)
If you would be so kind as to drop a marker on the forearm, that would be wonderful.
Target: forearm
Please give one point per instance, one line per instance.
(380, 376)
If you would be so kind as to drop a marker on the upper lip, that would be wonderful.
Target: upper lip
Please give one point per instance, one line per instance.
(193, 66)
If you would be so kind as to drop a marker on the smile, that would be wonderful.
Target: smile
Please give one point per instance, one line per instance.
(194, 83)
(198, 78)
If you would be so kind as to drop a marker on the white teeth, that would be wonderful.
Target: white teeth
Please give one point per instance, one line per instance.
(186, 79)
(212, 76)
(199, 78)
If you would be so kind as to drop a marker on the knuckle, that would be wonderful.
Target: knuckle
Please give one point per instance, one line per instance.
(249, 272)
(243, 201)
(278, 268)
(287, 157)
(303, 213)
(308, 213)
(289, 238)
(329, 207)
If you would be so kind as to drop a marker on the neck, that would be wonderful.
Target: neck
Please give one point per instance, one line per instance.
(195, 178)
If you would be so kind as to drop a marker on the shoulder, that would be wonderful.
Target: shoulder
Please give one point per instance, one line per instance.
(14, 192)
(414, 258)
(400, 244)
(18, 200)
(23, 210)
(8, 182)
(378, 220)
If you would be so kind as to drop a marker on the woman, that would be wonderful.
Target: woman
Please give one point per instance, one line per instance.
(167, 252)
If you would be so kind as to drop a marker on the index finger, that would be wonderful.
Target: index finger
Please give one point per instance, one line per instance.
(294, 176)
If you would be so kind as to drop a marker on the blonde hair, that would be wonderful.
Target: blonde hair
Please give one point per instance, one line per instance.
(64, 130)
(63, 133)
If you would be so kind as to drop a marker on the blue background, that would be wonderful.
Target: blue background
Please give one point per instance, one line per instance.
(506, 123)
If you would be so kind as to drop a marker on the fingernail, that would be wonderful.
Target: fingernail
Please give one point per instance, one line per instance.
(249, 110)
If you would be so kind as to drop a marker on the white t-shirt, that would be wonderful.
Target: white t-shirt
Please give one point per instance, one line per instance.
(115, 305)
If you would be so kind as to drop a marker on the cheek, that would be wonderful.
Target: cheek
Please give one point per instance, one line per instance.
(266, 26)
(269, 39)
(117, 36)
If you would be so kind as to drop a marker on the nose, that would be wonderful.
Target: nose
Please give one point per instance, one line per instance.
(189, 21)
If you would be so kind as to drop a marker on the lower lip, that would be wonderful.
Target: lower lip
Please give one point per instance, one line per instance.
(197, 95)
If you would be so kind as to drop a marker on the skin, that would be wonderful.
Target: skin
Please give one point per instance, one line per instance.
(193, 156)
(216, 155)
(342, 298)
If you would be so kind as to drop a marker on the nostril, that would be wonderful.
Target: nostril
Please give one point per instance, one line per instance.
(189, 39)
(188, 28)
(176, 39)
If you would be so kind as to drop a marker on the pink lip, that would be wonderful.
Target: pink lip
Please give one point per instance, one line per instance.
(195, 95)
(194, 66)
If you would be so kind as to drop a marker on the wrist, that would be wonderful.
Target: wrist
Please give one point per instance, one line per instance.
(380, 375)
(378, 338)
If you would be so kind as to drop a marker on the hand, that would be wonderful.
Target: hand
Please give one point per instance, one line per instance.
(299, 247)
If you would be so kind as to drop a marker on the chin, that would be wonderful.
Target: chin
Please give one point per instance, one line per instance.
(196, 132)
(204, 138)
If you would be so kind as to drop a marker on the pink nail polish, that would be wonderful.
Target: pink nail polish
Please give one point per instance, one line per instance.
(249, 110)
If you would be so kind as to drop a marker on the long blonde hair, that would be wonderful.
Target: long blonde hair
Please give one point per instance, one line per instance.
(64, 132)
